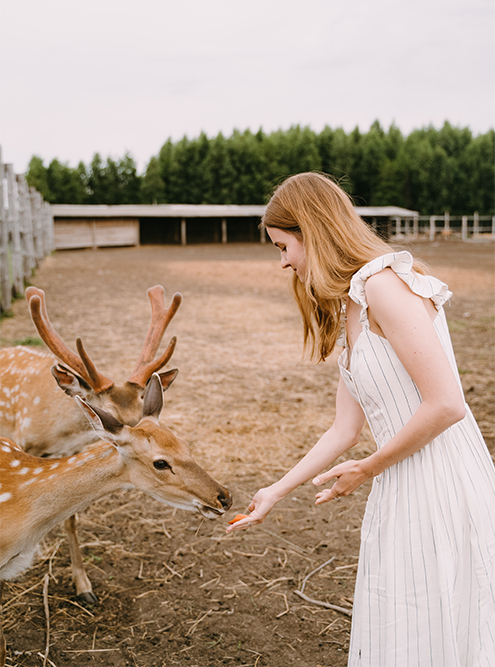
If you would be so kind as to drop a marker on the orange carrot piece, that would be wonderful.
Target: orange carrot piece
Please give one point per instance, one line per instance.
(238, 517)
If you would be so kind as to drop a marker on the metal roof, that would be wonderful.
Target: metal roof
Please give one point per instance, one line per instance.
(385, 212)
(156, 211)
(197, 211)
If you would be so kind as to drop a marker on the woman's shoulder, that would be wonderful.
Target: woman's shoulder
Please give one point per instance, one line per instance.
(394, 271)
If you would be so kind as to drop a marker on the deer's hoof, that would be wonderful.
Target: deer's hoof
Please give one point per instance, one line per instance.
(88, 598)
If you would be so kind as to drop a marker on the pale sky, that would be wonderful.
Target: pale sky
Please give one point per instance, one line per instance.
(115, 76)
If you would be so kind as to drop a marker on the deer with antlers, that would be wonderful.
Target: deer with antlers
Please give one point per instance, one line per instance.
(46, 423)
(36, 494)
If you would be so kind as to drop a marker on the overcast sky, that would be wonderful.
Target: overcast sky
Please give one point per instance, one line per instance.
(114, 76)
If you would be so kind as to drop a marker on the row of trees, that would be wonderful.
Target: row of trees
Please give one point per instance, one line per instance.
(429, 170)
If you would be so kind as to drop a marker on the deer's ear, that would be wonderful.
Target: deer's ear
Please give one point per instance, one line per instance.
(105, 425)
(167, 378)
(153, 398)
(72, 384)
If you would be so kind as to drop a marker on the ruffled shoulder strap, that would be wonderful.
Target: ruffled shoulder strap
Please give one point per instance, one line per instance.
(402, 263)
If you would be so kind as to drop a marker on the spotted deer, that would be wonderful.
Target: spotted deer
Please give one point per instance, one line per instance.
(38, 493)
(44, 422)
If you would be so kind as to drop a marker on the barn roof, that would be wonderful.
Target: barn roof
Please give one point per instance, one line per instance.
(197, 211)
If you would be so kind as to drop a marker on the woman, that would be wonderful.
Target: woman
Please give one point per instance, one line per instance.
(425, 589)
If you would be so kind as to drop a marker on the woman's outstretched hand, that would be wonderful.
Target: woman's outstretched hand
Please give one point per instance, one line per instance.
(259, 507)
(350, 475)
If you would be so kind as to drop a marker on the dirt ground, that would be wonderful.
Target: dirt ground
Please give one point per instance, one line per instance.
(173, 588)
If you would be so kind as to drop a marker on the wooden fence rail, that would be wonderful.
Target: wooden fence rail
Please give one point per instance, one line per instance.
(466, 227)
(26, 233)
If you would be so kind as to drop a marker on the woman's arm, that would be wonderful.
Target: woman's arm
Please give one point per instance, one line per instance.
(405, 322)
(343, 434)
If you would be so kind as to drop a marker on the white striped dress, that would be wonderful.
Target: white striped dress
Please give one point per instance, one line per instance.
(425, 588)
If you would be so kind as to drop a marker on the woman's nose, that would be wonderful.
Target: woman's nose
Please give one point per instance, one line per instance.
(283, 261)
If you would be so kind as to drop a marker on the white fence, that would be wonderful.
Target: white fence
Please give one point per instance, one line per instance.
(26, 233)
(466, 227)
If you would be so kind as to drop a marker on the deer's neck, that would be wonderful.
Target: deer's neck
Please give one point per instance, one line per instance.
(72, 484)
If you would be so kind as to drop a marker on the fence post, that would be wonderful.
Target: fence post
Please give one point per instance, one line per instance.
(464, 228)
(415, 227)
(5, 291)
(446, 223)
(48, 229)
(224, 230)
(398, 227)
(26, 226)
(183, 233)
(493, 227)
(262, 235)
(35, 198)
(432, 227)
(476, 224)
(14, 232)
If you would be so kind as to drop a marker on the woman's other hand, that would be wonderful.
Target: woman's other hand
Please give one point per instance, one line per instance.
(350, 475)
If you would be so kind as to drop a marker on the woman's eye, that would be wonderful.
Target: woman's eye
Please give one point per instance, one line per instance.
(161, 464)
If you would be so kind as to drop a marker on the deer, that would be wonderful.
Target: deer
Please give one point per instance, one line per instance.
(38, 493)
(45, 422)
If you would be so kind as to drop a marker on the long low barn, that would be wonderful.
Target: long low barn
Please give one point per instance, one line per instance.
(80, 226)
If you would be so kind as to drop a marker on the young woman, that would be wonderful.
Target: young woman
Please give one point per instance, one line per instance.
(425, 589)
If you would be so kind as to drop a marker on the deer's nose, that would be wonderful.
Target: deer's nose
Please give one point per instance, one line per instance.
(225, 499)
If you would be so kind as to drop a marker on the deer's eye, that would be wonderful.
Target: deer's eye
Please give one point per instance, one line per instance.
(161, 465)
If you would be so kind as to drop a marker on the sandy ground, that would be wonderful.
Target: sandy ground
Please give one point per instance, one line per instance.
(173, 589)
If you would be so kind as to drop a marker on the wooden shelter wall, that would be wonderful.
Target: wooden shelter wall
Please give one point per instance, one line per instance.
(84, 233)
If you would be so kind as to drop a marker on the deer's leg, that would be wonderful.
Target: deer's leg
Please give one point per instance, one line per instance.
(3, 649)
(83, 585)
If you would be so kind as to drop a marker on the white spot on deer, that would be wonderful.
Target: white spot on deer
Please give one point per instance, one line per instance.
(106, 453)
(72, 459)
(6, 448)
(29, 481)
(53, 476)
(15, 463)
(23, 471)
(5, 496)
(37, 400)
(37, 471)
(55, 465)
(25, 423)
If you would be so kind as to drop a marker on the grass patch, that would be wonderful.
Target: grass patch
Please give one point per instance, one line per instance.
(30, 340)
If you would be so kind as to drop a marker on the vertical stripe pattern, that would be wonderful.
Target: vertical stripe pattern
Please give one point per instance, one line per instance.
(425, 588)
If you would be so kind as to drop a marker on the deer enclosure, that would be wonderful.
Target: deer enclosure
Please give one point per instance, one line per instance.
(173, 589)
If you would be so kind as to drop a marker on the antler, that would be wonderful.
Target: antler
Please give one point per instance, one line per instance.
(81, 364)
(160, 319)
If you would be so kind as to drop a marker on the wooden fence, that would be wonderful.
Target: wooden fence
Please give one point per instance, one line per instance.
(26, 233)
(432, 227)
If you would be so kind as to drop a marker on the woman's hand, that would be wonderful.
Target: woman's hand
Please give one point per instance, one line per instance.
(350, 475)
(259, 507)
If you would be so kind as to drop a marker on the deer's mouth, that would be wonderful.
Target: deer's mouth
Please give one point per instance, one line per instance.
(210, 512)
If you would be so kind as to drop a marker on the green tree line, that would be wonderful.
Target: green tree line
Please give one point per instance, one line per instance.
(429, 170)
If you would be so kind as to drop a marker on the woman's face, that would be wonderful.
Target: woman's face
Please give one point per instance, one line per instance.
(292, 253)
